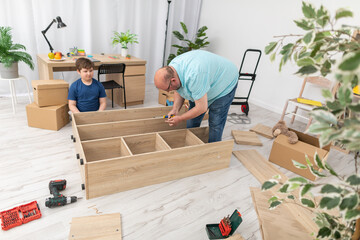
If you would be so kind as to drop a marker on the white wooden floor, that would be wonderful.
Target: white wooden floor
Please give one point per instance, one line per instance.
(31, 157)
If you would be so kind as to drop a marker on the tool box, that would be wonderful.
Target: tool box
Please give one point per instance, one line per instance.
(19, 215)
(214, 232)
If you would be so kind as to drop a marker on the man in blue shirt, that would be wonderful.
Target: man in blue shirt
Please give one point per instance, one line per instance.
(208, 81)
(86, 94)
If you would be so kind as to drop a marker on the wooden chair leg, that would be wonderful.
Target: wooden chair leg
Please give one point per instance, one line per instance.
(309, 123)
(293, 117)
(284, 111)
(112, 98)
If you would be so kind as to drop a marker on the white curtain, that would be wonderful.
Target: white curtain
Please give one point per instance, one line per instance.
(90, 26)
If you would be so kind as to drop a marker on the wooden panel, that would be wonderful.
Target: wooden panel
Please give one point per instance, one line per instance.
(286, 225)
(123, 128)
(79, 150)
(105, 148)
(246, 138)
(151, 168)
(202, 133)
(145, 143)
(100, 227)
(135, 70)
(121, 115)
(263, 171)
(180, 138)
(263, 130)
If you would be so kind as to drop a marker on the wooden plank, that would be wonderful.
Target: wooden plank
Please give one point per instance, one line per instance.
(202, 133)
(191, 139)
(100, 227)
(277, 223)
(121, 115)
(263, 130)
(160, 144)
(104, 148)
(116, 175)
(123, 128)
(180, 138)
(263, 170)
(246, 138)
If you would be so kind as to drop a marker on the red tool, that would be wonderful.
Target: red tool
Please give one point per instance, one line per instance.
(19, 215)
(225, 226)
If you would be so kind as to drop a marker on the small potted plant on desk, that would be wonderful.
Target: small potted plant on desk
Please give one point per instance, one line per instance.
(124, 39)
(10, 55)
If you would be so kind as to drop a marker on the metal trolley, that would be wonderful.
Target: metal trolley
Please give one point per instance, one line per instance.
(243, 101)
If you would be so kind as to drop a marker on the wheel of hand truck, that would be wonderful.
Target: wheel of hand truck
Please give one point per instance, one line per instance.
(245, 109)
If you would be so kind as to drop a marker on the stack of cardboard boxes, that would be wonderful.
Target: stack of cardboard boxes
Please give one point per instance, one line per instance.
(50, 107)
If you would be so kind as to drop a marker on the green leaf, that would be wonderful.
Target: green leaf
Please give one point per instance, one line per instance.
(178, 35)
(322, 21)
(284, 188)
(269, 48)
(306, 70)
(294, 186)
(272, 57)
(298, 179)
(305, 25)
(324, 232)
(309, 37)
(269, 184)
(353, 180)
(308, 202)
(317, 127)
(318, 161)
(355, 107)
(349, 202)
(274, 204)
(276, 176)
(352, 214)
(183, 26)
(299, 165)
(332, 172)
(273, 198)
(351, 62)
(308, 11)
(335, 105)
(316, 172)
(329, 202)
(337, 235)
(305, 61)
(341, 13)
(328, 188)
(324, 117)
(291, 197)
(306, 188)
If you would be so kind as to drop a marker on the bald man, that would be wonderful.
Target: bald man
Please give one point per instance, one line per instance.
(208, 81)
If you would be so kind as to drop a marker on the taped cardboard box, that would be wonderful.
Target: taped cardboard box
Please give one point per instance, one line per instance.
(50, 92)
(51, 117)
(282, 153)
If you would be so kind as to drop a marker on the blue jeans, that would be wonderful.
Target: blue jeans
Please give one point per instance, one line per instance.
(218, 112)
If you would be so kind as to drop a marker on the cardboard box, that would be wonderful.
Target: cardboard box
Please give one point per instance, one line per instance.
(282, 153)
(163, 95)
(51, 117)
(50, 92)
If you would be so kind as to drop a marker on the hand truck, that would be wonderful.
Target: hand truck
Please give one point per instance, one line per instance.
(243, 101)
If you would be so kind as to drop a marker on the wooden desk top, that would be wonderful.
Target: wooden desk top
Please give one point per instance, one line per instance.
(104, 59)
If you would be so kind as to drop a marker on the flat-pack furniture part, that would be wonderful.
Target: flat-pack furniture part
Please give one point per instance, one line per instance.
(50, 117)
(50, 92)
(124, 149)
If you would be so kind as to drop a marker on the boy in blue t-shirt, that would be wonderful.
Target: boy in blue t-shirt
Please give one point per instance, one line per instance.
(86, 94)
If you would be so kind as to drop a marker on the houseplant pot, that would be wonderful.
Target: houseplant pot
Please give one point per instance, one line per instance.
(11, 54)
(124, 39)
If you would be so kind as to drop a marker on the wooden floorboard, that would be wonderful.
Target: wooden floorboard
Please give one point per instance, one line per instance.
(179, 209)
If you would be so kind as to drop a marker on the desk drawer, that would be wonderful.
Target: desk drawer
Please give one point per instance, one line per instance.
(135, 70)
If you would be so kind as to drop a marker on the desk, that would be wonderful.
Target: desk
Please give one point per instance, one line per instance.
(134, 74)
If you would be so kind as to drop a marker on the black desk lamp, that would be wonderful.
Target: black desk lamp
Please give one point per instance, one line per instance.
(60, 25)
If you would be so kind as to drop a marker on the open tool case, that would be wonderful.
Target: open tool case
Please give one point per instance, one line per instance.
(213, 230)
(19, 215)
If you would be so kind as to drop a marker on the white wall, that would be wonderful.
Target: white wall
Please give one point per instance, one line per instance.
(236, 25)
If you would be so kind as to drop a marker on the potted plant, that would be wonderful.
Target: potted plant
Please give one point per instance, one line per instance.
(11, 54)
(326, 49)
(124, 39)
(197, 43)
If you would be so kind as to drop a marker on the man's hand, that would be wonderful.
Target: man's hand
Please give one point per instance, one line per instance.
(174, 121)
(173, 112)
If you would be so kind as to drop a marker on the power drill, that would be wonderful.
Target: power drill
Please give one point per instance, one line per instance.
(58, 200)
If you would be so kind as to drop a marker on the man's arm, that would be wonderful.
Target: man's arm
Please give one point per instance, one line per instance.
(178, 102)
(102, 104)
(72, 106)
(201, 106)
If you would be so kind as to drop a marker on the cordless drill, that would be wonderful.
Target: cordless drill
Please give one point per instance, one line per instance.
(58, 199)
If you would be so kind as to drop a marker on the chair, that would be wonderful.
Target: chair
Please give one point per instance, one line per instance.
(318, 81)
(111, 84)
(13, 91)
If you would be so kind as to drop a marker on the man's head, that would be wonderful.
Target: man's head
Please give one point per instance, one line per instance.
(167, 79)
(85, 68)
